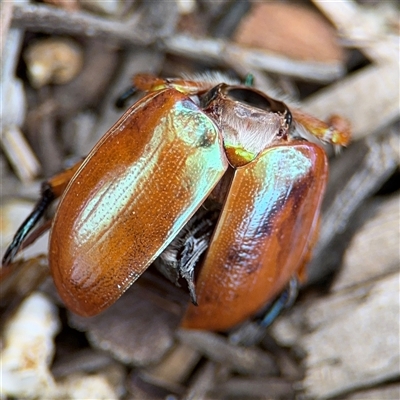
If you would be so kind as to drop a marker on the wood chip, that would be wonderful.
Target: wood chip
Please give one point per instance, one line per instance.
(240, 359)
(258, 388)
(368, 98)
(134, 330)
(354, 177)
(19, 153)
(202, 383)
(28, 349)
(223, 52)
(69, 5)
(53, 60)
(5, 22)
(43, 18)
(355, 340)
(367, 28)
(374, 250)
(291, 30)
(175, 367)
(350, 337)
(386, 392)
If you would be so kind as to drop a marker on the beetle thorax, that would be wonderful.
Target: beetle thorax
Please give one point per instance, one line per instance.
(247, 130)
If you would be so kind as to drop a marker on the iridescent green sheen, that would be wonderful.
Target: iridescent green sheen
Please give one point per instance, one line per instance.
(263, 234)
(273, 176)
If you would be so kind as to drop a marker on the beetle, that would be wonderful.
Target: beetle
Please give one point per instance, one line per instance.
(188, 141)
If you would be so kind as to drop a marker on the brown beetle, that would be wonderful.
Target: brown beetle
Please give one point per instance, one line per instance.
(123, 205)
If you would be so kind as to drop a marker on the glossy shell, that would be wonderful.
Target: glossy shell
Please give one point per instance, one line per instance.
(263, 235)
(136, 190)
(131, 196)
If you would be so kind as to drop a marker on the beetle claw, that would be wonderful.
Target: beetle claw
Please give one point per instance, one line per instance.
(192, 291)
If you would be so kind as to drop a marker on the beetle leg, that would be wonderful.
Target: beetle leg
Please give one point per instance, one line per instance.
(30, 222)
(252, 332)
(51, 190)
(283, 302)
(336, 130)
(125, 96)
(196, 243)
(151, 83)
(194, 85)
(180, 258)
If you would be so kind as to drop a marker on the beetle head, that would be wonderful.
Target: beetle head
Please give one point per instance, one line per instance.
(249, 120)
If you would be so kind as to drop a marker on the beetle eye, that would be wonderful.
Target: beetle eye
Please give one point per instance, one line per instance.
(249, 97)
